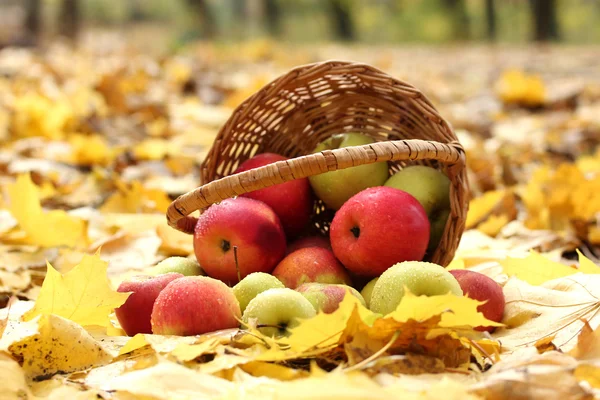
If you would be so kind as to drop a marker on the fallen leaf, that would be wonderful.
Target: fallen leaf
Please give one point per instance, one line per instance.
(516, 86)
(588, 343)
(537, 269)
(167, 380)
(545, 344)
(82, 295)
(54, 344)
(13, 382)
(135, 198)
(48, 229)
(136, 342)
(555, 307)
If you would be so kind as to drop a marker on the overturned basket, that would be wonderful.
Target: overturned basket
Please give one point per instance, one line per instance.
(310, 103)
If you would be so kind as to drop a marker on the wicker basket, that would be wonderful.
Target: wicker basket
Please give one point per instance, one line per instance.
(310, 103)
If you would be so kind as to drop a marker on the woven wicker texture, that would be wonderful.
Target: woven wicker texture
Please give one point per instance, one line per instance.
(295, 112)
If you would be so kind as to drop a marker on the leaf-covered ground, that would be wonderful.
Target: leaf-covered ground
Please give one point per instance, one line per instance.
(96, 142)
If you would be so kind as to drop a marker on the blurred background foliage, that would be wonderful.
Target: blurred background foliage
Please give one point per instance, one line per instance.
(306, 21)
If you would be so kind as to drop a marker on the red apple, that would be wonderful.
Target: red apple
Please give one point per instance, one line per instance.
(194, 305)
(483, 288)
(377, 228)
(311, 264)
(250, 225)
(327, 298)
(134, 314)
(292, 201)
(309, 241)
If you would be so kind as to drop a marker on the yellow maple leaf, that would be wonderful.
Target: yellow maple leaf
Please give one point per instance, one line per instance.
(135, 198)
(83, 294)
(89, 150)
(491, 211)
(536, 269)
(37, 115)
(153, 149)
(516, 86)
(324, 330)
(47, 229)
(455, 311)
(56, 344)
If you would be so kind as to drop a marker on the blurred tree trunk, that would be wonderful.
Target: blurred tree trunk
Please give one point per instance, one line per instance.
(341, 20)
(490, 16)
(545, 22)
(273, 16)
(207, 21)
(33, 21)
(460, 18)
(136, 11)
(69, 21)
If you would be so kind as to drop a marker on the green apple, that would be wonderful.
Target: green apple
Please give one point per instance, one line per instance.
(367, 291)
(327, 297)
(431, 187)
(276, 310)
(335, 187)
(181, 265)
(253, 284)
(420, 278)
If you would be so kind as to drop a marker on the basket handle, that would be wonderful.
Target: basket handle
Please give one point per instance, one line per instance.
(304, 166)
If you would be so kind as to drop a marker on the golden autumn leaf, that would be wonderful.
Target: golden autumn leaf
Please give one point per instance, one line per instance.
(56, 344)
(153, 149)
(363, 343)
(324, 330)
(82, 295)
(136, 342)
(516, 86)
(47, 229)
(135, 198)
(537, 269)
(37, 115)
(491, 211)
(89, 150)
(455, 311)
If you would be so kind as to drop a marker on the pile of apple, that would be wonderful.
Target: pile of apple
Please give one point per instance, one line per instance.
(266, 271)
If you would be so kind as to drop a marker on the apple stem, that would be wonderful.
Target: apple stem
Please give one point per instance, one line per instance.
(237, 265)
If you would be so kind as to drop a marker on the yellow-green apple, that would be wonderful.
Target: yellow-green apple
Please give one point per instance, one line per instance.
(292, 201)
(483, 288)
(334, 188)
(193, 305)
(420, 278)
(253, 284)
(310, 264)
(432, 188)
(309, 241)
(326, 297)
(182, 265)
(134, 314)
(248, 224)
(275, 311)
(377, 228)
(367, 291)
